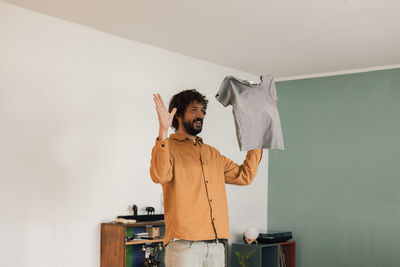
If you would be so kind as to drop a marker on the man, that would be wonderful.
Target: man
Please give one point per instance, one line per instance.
(193, 177)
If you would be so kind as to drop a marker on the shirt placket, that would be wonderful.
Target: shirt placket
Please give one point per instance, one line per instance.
(206, 179)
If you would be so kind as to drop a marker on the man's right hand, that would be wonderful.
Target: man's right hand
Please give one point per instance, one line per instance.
(164, 117)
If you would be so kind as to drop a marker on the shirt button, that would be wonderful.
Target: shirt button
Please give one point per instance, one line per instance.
(213, 219)
(210, 200)
(195, 144)
(206, 181)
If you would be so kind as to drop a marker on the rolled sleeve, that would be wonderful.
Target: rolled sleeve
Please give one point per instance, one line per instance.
(161, 163)
(245, 173)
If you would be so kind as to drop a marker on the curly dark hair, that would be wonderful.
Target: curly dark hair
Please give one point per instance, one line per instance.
(182, 100)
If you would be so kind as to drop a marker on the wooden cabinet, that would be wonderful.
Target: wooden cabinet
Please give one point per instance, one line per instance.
(117, 250)
(264, 255)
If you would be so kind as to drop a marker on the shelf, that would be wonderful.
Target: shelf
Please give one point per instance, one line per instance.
(287, 243)
(144, 241)
(138, 223)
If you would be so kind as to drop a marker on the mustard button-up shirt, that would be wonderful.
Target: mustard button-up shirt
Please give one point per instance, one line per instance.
(193, 177)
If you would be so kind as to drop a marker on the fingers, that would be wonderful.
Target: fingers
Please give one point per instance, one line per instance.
(157, 106)
(158, 110)
(158, 114)
(156, 100)
(161, 101)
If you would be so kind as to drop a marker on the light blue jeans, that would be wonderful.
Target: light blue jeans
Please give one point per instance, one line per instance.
(183, 253)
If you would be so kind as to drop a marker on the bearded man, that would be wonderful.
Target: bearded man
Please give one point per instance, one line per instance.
(193, 177)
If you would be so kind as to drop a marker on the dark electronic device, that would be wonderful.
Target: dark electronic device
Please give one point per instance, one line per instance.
(274, 237)
(144, 218)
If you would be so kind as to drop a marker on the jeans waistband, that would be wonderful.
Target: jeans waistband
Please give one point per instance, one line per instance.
(215, 241)
(212, 241)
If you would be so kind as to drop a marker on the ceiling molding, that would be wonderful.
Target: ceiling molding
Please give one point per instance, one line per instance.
(336, 73)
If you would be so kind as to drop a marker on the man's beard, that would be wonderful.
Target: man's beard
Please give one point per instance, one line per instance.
(190, 128)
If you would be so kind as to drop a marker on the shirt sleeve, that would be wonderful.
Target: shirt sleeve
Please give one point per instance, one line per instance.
(161, 162)
(245, 173)
(224, 94)
(272, 91)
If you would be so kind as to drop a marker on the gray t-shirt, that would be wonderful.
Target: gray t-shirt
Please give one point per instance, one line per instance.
(254, 108)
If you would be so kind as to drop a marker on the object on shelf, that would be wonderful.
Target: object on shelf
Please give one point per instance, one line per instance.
(274, 237)
(125, 221)
(144, 235)
(150, 210)
(153, 231)
(150, 257)
(250, 235)
(134, 209)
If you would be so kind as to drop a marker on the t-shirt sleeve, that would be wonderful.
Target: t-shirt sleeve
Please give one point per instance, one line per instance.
(272, 91)
(224, 95)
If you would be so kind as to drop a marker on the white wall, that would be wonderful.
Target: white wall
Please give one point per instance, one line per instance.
(77, 124)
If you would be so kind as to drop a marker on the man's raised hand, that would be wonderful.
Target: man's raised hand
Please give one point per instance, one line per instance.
(164, 116)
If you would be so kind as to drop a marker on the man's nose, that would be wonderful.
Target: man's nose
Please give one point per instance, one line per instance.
(200, 114)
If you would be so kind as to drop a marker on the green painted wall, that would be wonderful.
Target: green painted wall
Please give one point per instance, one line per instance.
(337, 183)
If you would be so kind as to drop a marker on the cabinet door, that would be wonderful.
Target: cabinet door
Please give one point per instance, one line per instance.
(270, 256)
(112, 252)
(243, 255)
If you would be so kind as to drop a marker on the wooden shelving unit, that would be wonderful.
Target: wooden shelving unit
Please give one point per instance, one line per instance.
(116, 251)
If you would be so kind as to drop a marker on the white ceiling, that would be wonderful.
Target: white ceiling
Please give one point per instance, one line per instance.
(279, 37)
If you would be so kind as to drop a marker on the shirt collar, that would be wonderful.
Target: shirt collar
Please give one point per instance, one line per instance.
(182, 137)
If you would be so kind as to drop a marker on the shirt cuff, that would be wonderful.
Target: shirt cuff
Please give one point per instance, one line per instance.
(162, 145)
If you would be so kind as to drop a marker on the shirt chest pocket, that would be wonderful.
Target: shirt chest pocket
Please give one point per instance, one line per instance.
(188, 170)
